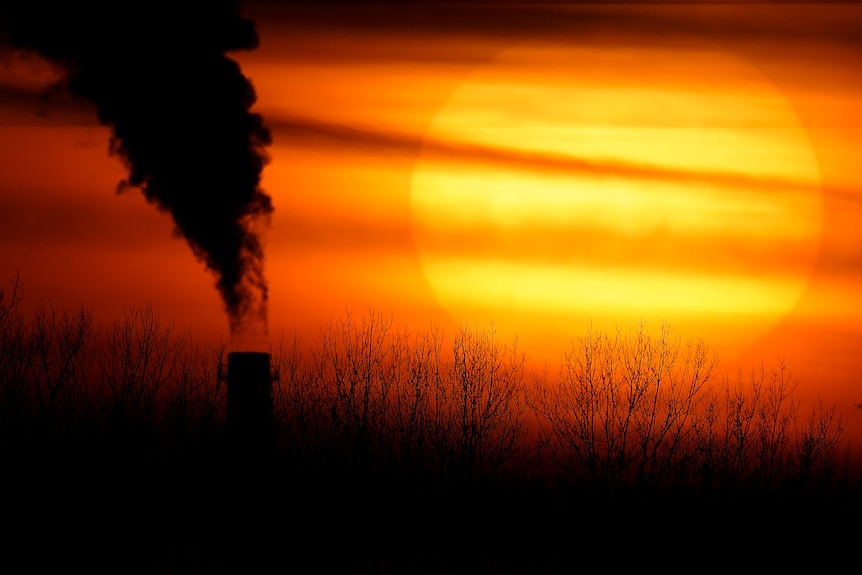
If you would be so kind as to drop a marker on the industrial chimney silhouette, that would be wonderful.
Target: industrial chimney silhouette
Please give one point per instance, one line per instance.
(249, 421)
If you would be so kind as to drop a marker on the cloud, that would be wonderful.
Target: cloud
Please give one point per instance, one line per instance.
(624, 23)
(305, 132)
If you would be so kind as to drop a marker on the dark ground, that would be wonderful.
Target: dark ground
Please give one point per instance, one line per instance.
(204, 509)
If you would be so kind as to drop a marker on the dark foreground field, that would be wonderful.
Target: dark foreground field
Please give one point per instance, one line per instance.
(395, 453)
(204, 511)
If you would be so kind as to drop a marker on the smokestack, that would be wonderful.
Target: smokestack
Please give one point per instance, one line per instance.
(249, 422)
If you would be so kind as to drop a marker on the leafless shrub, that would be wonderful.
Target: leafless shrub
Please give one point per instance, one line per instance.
(360, 362)
(624, 407)
(484, 403)
(378, 398)
(63, 345)
(641, 410)
(301, 414)
(139, 358)
(16, 354)
(44, 363)
(744, 436)
(817, 447)
(194, 396)
(419, 427)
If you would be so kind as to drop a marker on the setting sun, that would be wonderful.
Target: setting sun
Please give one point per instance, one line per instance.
(634, 190)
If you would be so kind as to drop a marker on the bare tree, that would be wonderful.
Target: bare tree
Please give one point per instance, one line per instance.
(301, 403)
(16, 356)
(641, 410)
(817, 446)
(418, 423)
(64, 349)
(484, 404)
(360, 362)
(194, 397)
(624, 407)
(140, 357)
(44, 363)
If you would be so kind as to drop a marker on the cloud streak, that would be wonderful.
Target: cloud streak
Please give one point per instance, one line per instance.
(305, 132)
(632, 22)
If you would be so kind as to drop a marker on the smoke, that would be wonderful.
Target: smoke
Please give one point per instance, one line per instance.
(158, 75)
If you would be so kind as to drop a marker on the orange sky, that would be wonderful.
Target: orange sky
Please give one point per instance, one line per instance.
(538, 167)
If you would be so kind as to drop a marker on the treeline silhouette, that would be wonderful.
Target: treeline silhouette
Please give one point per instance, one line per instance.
(401, 452)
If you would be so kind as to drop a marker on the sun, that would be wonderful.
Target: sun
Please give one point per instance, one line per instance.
(609, 187)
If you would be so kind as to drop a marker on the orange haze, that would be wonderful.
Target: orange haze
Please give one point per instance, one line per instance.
(540, 168)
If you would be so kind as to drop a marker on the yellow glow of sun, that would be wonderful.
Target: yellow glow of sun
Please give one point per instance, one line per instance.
(622, 186)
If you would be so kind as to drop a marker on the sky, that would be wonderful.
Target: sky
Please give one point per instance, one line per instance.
(541, 168)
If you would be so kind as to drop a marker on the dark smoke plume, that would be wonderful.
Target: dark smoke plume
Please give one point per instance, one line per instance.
(158, 75)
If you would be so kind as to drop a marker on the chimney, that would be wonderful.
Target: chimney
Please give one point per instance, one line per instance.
(249, 421)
